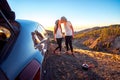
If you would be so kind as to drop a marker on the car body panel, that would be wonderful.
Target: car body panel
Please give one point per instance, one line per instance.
(22, 52)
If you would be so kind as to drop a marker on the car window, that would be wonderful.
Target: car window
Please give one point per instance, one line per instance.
(40, 39)
(35, 38)
(41, 30)
(38, 35)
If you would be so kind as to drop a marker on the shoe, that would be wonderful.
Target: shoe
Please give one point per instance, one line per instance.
(54, 52)
(72, 54)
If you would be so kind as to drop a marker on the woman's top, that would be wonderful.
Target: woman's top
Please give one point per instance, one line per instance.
(58, 33)
(68, 30)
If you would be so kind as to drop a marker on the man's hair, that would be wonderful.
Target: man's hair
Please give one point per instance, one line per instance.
(64, 18)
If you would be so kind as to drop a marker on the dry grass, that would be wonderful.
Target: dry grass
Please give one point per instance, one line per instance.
(99, 55)
(108, 65)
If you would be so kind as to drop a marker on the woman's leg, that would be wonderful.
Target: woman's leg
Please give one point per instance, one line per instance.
(70, 43)
(66, 42)
(57, 44)
(60, 43)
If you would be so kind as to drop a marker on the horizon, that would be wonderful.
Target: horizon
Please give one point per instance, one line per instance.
(80, 28)
(81, 13)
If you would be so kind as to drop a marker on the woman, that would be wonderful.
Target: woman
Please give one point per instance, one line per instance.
(69, 34)
(58, 35)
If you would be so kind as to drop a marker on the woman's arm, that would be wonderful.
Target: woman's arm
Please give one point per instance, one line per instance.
(72, 30)
(54, 32)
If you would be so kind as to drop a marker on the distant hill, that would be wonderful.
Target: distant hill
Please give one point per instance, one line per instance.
(106, 38)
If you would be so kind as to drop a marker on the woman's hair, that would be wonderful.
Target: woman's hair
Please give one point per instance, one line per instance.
(63, 18)
(56, 22)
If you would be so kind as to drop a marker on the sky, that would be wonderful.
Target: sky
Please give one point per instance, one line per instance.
(81, 13)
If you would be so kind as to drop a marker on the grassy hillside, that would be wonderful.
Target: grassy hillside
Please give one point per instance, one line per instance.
(102, 39)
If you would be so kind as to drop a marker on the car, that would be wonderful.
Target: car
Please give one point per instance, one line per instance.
(23, 46)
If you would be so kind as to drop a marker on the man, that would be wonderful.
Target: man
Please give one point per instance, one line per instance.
(69, 33)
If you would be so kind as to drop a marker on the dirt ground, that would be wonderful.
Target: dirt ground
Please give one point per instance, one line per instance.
(102, 66)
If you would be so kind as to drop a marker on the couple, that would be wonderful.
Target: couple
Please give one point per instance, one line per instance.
(69, 33)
